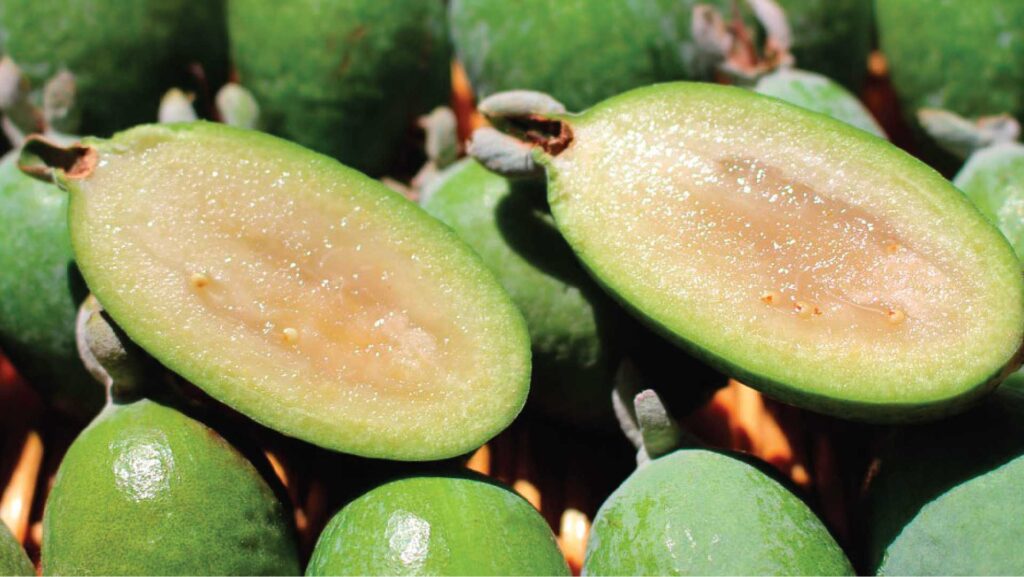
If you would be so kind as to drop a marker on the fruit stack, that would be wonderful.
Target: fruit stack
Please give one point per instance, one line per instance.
(396, 287)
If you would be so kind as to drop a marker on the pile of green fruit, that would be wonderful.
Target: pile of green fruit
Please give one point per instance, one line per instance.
(300, 263)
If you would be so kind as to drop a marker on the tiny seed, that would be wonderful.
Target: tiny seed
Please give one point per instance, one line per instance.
(198, 280)
(290, 335)
(769, 297)
(896, 316)
(892, 248)
(803, 309)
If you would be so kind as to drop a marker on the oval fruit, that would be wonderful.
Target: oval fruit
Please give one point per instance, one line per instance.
(566, 48)
(802, 256)
(701, 512)
(145, 490)
(946, 497)
(347, 79)
(967, 57)
(303, 294)
(13, 560)
(40, 290)
(993, 178)
(573, 324)
(438, 525)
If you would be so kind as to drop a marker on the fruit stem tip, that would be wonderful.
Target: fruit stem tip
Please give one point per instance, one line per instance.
(45, 160)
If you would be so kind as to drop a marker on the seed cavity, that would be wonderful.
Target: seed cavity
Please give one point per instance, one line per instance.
(290, 335)
(198, 280)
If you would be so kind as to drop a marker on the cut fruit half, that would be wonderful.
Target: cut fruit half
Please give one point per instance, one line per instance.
(805, 257)
(294, 289)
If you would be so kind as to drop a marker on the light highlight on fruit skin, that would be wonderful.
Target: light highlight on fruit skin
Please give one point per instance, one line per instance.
(902, 334)
(335, 311)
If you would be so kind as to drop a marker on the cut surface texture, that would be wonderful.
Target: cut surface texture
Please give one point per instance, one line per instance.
(299, 291)
(808, 258)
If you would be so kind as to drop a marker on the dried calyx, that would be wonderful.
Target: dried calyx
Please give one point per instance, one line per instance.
(524, 120)
(729, 48)
(117, 363)
(44, 159)
(961, 136)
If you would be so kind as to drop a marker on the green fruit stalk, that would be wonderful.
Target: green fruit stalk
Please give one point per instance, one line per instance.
(438, 525)
(13, 560)
(123, 55)
(344, 78)
(720, 222)
(294, 289)
(146, 490)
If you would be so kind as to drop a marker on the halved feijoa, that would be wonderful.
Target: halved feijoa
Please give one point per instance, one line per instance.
(294, 289)
(808, 258)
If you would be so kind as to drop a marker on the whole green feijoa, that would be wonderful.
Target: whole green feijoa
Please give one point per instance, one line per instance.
(993, 178)
(820, 94)
(569, 49)
(967, 57)
(123, 55)
(573, 325)
(13, 560)
(438, 525)
(945, 499)
(832, 37)
(345, 78)
(701, 512)
(146, 490)
(40, 290)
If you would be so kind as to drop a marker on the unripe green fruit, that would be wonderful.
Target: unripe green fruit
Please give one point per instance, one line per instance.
(13, 560)
(347, 79)
(438, 525)
(145, 490)
(993, 179)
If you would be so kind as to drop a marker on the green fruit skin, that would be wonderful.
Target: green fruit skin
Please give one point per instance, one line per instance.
(145, 490)
(832, 37)
(701, 512)
(816, 92)
(344, 78)
(13, 560)
(947, 497)
(572, 51)
(967, 57)
(572, 322)
(993, 178)
(124, 55)
(438, 525)
(40, 290)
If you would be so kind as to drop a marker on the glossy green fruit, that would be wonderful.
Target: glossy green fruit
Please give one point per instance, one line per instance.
(946, 498)
(347, 79)
(124, 55)
(572, 51)
(145, 490)
(40, 290)
(573, 325)
(832, 37)
(700, 512)
(298, 291)
(438, 525)
(816, 92)
(993, 179)
(967, 57)
(805, 257)
(13, 560)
